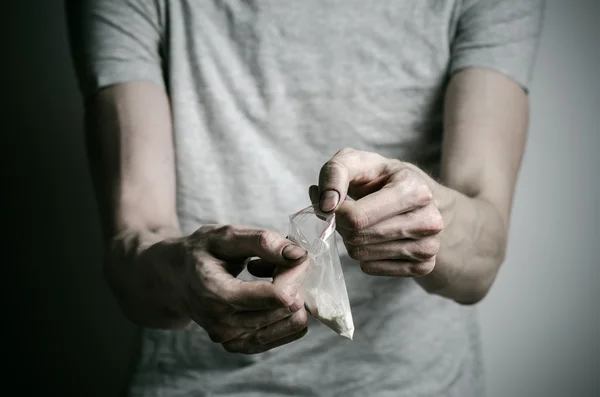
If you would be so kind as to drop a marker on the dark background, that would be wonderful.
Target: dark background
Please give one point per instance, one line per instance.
(64, 334)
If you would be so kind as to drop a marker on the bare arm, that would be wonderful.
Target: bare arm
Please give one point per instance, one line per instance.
(130, 146)
(486, 120)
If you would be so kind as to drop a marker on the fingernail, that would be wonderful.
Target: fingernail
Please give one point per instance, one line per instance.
(313, 193)
(329, 199)
(293, 252)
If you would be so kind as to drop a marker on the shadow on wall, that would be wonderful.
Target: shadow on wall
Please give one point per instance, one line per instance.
(64, 328)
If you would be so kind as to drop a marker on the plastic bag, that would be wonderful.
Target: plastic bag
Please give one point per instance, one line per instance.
(325, 294)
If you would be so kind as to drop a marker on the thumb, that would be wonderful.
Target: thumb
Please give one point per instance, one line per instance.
(334, 179)
(347, 167)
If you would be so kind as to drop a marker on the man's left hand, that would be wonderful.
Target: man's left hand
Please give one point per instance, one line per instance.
(392, 227)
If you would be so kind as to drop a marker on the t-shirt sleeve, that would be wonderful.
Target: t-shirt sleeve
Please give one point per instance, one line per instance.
(501, 35)
(115, 41)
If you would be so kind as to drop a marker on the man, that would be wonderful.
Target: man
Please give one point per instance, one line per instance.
(209, 120)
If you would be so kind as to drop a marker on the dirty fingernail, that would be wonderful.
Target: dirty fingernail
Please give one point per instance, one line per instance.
(329, 199)
(293, 252)
(313, 193)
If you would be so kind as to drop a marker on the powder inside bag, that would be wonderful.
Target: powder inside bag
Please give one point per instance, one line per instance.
(331, 313)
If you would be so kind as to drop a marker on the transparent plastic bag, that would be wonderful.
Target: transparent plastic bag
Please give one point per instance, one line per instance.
(325, 294)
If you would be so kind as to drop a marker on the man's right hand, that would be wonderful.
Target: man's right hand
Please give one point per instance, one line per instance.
(160, 278)
(199, 273)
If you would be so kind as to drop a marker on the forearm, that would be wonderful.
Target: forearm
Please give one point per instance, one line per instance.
(485, 128)
(129, 140)
(472, 247)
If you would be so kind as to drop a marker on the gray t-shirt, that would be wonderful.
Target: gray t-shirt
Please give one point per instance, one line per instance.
(262, 94)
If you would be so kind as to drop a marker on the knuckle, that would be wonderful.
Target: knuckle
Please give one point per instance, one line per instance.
(426, 248)
(423, 195)
(356, 252)
(277, 299)
(432, 225)
(403, 173)
(355, 239)
(422, 268)
(394, 165)
(219, 235)
(358, 220)
(366, 268)
(299, 320)
(346, 150)
(332, 167)
(266, 239)
(436, 223)
(201, 268)
(227, 232)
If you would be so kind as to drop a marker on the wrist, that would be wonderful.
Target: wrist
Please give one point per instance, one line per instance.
(162, 268)
(143, 270)
(471, 251)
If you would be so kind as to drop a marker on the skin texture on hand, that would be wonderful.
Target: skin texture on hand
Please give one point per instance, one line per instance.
(450, 235)
(193, 278)
(392, 226)
(245, 316)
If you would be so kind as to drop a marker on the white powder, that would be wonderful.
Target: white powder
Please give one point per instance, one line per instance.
(331, 313)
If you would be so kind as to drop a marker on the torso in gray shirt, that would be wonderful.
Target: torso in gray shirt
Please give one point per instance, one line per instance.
(262, 94)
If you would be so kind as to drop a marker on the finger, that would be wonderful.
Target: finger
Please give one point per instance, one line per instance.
(255, 320)
(253, 295)
(288, 326)
(212, 281)
(413, 250)
(393, 199)
(261, 294)
(398, 268)
(410, 225)
(234, 242)
(284, 341)
(238, 324)
(243, 348)
(271, 333)
(291, 280)
(261, 268)
(348, 167)
(313, 193)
